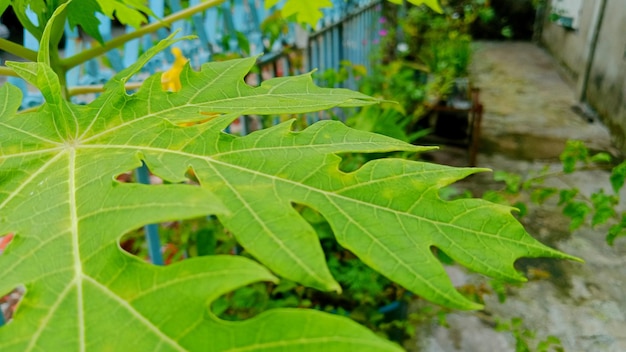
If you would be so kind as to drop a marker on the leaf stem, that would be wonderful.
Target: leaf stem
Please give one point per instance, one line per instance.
(18, 50)
(560, 173)
(7, 71)
(89, 54)
(99, 88)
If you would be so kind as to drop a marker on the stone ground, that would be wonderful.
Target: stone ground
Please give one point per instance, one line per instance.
(528, 118)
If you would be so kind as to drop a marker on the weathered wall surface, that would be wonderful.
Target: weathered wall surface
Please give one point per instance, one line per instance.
(569, 46)
(605, 90)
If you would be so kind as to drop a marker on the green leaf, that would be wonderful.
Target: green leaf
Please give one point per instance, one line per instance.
(79, 12)
(126, 11)
(604, 207)
(618, 175)
(64, 174)
(540, 195)
(522, 208)
(513, 181)
(574, 152)
(83, 13)
(4, 4)
(495, 197)
(577, 212)
(616, 231)
(567, 195)
(60, 197)
(308, 12)
(433, 4)
(601, 157)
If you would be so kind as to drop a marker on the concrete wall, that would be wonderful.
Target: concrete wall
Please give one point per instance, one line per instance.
(569, 46)
(605, 89)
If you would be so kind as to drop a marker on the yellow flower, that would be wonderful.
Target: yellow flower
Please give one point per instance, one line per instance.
(170, 80)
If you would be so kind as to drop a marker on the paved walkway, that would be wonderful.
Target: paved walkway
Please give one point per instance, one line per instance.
(528, 104)
(528, 118)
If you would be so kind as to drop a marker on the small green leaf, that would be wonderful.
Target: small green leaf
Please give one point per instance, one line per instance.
(83, 14)
(540, 195)
(577, 212)
(308, 12)
(522, 207)
(433, 4)
(574, 152)
(495, 197)
(602, 158)
(566, 195)
(616, 231)
(131, 12)
(618, 175)
(604, 207)
(512, 180)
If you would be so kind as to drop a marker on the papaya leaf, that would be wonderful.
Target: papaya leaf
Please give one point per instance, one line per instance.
(82, 13)
(60, 198)
(126, 11)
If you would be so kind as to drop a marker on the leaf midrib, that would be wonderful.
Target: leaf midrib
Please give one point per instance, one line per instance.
(78, 267)
(330, 195)
(209, 159)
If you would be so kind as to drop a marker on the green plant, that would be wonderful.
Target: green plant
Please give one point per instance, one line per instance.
(61, 199)
(524, 338)
(309, 12)
(598, 208)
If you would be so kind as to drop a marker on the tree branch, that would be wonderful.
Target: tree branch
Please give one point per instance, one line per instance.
(72, 91)
(7, 71)
(89, 54)
(18, 50)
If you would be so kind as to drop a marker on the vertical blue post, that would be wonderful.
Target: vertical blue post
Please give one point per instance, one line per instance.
(152, 230)
(2, 322)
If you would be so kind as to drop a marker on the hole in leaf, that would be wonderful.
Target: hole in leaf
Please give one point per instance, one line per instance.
(9, 303)
(441, 255)
(454, 192)
(249, 301)
(368, 297)
(183, 239)
(317, 221)
(351, 162)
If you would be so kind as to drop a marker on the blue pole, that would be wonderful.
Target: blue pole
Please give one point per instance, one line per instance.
(152, 230)
(1, 317)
